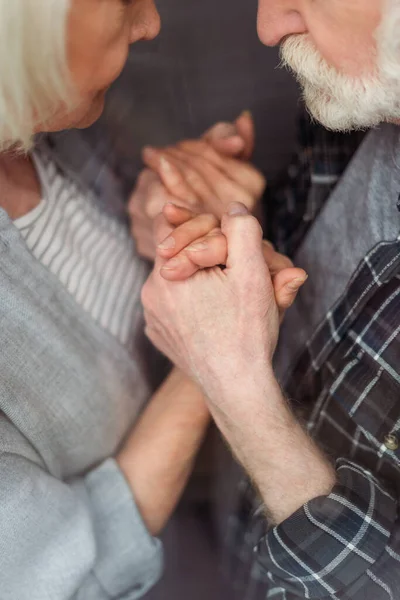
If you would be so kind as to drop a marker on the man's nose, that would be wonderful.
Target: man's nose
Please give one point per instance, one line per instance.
(278, 19)
(149, 21)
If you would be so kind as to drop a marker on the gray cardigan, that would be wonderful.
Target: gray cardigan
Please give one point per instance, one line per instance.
(69, 393)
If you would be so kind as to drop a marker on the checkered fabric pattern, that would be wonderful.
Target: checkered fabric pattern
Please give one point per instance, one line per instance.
(292, 206)
(346, 388)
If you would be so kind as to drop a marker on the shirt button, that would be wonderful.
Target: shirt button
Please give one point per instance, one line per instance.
(391, 442)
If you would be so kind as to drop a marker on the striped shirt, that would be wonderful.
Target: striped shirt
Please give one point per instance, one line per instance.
(87, 249)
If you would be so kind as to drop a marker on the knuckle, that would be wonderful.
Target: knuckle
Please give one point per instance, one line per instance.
(134, 209)
(154, 188)
(153, 207)
(146, 295)
(209, 218)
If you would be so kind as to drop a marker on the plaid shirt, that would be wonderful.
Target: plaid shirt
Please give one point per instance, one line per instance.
(346, 387)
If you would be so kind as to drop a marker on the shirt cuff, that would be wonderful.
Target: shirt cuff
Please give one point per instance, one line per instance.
(129, 560)
(332, 540)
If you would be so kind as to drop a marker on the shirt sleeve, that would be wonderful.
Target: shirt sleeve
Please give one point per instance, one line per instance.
(337, 546)
(81, 540)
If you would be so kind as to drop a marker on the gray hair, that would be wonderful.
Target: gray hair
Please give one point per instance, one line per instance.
(33, 66)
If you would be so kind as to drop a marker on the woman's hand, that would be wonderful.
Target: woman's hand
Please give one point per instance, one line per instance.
(197, 242)
(194, 172)
(219, 325)
(160, 451)
(167, 183)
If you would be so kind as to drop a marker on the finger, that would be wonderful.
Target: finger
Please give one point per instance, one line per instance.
(177, 215)
(224, 138)
(209, 251)
(286, 286)
(170, 176)
(146, 249)
(185, 234)
(244, 239)
(275, 261)
(178, 268)
(149, 196)
(137, 198)
(219, 186)
(157, 197)
(241, 173)
(194, 179)
(245, 128)
(245, 175)
(202, 148)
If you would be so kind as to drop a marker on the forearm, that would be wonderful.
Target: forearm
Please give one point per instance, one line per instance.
(158, 456)
(284, 463)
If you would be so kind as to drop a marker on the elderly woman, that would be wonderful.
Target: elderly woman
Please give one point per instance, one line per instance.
(82, 495)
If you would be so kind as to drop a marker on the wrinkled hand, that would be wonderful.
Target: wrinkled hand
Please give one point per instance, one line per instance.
(167, 181)
(218, 325)
(197, 242)
(146, 202)
(206, 179)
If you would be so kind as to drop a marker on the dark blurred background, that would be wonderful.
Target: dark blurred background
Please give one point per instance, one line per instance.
(206, 65)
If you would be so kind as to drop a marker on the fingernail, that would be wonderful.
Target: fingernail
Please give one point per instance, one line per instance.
(167, 244)
(237, 208)
(165, 165)
(171, 264)
(296, 284)
(247, 113)
(198, 247)
(225, 130)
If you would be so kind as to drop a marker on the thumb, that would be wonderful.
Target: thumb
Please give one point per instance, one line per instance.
(244, 240)
(287, 283)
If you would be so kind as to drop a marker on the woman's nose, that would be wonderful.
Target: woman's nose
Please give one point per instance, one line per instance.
(278, 19)
(146, 22)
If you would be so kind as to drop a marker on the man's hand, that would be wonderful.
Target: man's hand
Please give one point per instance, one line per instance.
(197, 242)
(218, 324)
(167, 184)
(221, 328)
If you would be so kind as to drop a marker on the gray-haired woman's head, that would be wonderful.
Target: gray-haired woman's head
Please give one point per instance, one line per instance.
(58, 58)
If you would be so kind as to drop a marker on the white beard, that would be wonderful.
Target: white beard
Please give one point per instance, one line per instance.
(341, 102)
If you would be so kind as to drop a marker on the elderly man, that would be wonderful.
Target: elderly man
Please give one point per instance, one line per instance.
(324, 454)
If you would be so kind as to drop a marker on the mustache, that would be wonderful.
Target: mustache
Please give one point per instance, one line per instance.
(299, 55)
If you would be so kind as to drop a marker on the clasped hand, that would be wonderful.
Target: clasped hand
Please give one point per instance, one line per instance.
(216, 325)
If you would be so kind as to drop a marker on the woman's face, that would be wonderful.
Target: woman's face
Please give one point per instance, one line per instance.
(99, 34)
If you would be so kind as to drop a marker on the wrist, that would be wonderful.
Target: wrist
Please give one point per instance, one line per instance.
(249, 393)
(283, 461)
